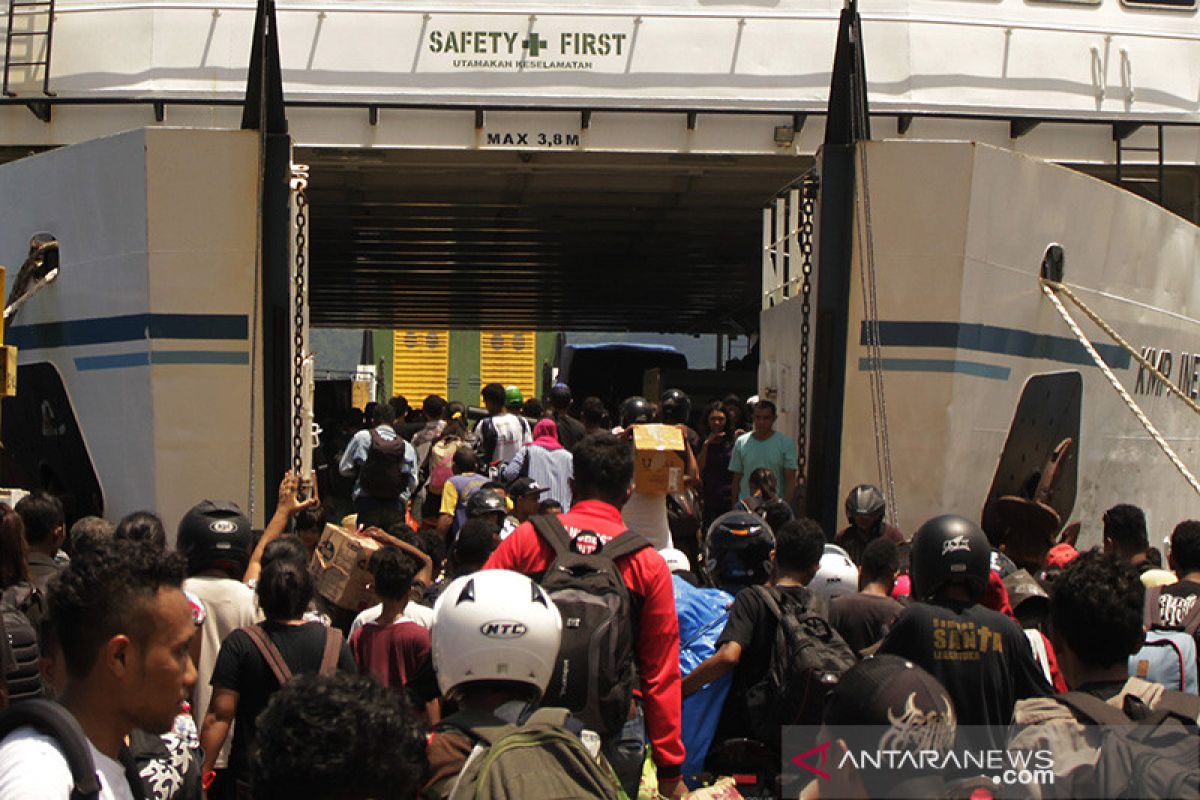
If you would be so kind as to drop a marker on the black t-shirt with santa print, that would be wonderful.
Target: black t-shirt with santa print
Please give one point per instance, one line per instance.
(981, 656)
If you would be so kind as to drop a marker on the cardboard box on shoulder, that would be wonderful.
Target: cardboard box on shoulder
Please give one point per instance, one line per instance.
(339, 568)
(658, 458)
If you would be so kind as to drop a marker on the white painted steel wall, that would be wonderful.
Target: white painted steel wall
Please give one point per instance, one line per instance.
(1004, 58)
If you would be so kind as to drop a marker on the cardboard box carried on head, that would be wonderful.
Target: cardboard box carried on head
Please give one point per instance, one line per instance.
(658, 459)
(339, 568)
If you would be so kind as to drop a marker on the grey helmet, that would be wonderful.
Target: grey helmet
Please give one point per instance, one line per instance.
(865, 500)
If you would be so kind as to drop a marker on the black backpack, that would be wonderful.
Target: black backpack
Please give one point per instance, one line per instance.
(56, 722)
(806, 662)
(594, 674)
(19, 651)
(383, 476)
(1144, 753)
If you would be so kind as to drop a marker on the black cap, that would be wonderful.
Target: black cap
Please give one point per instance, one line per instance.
(882, 689)
(523, 487)
(485, 501)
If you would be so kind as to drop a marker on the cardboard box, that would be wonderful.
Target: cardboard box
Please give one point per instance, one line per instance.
(339, 568)
(658, 459)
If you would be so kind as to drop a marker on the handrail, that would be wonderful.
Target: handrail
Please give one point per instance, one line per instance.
(637, 15)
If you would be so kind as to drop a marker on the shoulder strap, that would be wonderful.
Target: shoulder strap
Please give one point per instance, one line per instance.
(333, 649)
(1150, 614)
(550, 528)
(768, 597)
(56, 722)
(624, 544)
(479, 725)
(487, 433)
(269, 652)
(1094, 709)
(1184, 706)
(549, 716)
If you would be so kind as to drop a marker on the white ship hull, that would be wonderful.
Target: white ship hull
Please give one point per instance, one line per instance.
(148, 324)
(958, 231)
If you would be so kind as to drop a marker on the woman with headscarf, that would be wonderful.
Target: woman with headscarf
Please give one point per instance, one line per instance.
(546, 462)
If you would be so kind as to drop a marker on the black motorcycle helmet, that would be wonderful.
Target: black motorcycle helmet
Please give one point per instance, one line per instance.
(737, 550)
(949, 549)
(635, 410)
(676, 407)
(865, 500)
(215, 535)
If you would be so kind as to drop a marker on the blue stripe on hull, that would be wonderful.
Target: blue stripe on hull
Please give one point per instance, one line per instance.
(129, 328)
(190, 357)
(974, 368)
(992, 339)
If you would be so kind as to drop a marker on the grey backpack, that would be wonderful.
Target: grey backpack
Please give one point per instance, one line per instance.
(20, 605)
(594, 674)
(1144, 752)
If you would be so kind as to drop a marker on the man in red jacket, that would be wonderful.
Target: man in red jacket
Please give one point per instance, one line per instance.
(602, 483)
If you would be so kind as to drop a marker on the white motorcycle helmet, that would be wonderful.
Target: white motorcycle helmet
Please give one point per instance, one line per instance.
(837, 575)
(495, 625)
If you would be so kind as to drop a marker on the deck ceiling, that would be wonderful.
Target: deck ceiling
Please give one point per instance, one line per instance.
(548, 241)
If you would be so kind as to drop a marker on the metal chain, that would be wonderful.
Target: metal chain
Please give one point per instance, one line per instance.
(299, 184)
(1116, 337)
(808, 195)
(1048, 288)
(883, 447)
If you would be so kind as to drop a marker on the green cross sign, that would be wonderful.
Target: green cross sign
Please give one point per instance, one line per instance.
(534, 45)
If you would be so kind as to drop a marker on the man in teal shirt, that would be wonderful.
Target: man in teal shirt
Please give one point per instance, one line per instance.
(764, 447)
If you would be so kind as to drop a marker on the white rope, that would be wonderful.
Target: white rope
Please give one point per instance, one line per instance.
(1048, 288)
(1116, 337)
(42, 283)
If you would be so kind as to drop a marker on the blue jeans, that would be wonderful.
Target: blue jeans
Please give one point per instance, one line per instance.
(626, 752)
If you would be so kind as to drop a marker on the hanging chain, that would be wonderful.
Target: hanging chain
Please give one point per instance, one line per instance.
(808, 195)
(299, 184)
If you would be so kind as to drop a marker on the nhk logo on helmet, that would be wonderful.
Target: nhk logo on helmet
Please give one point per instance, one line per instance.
(956, 544)
(503, 629)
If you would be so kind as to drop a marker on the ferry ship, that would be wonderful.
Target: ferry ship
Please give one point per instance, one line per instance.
(605, 166)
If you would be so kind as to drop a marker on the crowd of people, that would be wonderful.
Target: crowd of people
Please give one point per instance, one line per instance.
(545, 629)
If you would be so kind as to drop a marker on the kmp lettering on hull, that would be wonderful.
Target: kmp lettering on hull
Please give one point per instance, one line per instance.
(1183, 371)
(553, 46)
